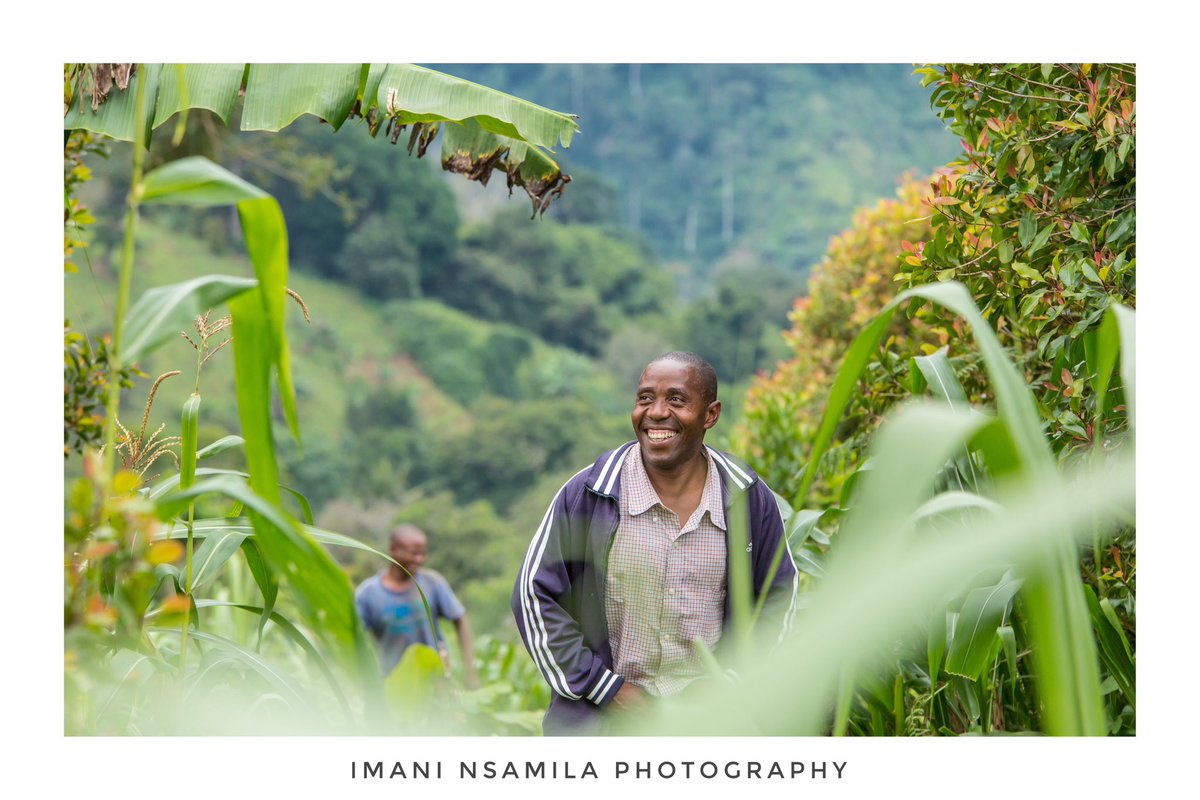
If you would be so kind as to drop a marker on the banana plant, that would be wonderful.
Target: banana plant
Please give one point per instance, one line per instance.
(482, 129)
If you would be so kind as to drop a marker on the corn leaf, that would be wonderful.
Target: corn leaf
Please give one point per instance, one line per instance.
(161, 313)
(982, 612)
(214, 551)
(293, 633)
(939, 375)
(187, 448)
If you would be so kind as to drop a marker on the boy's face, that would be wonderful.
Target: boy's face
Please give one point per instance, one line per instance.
(409, 551)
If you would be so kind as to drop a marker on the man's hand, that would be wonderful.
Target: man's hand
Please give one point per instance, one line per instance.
(629, 698)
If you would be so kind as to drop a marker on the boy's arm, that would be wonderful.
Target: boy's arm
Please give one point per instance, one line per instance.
(466, 643)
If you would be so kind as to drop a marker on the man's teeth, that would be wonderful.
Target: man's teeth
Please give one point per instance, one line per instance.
(660, 436)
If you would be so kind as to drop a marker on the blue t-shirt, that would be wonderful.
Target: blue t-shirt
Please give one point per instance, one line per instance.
(398, 619)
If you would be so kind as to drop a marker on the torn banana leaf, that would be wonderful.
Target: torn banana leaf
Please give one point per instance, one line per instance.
(469, 150)
(484, 128)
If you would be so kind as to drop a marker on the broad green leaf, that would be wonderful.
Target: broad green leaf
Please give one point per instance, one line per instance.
(1004, 251)
(1027, 229)
(197, 181)
(252, 371)
(955, 502)
(267, 245)
(941, 378)
(173, 481)
(264, 577)
(982, 612)
(807, 563)
(321, 589)
(210, 86)
(219, 446)
(274, 675)
(187, 447)
(1008, 642)
(1026, 271)
(1101, 349)
(115, 116)
(861, 586)
(1042, 237)
(160, 314)
(414, 680)
(1126, 320)
(293, 633)
(1115, 652)
(279, 94)
(428, 96)
(216, 549)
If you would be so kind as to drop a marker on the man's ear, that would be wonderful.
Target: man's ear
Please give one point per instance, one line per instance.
(712, 414)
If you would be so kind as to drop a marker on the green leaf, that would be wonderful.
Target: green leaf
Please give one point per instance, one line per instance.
(1068, 679)
(1008, 641)
(1080, 233)
(279, 94)
(187, 447)
(1125, 321)
(264, 577)
(1004, 251)
(940, 376)
(414, 680)
(1120, 227)
(1040, 240)
(424, 95)
(955, 502)
(267, 245)
(1027, 229)
(322, 591)
(1025, 271)
(935, 644)
(161, 314)
(216, 549)
(1115, 652)
(199, 182)
(219, 446)
(115, 116)
(209, 86)
(293, 633)
(274, 675)
(982, 612)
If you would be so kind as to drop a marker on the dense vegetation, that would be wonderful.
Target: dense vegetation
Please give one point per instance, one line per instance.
(452, 363)
(1036, 220)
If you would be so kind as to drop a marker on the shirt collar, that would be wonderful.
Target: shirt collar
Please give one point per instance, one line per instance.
(638, 495)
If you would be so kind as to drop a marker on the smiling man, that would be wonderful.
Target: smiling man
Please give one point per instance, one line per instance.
(626, 579)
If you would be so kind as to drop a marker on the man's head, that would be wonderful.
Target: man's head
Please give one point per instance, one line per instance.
(675, 404)
(408, 547)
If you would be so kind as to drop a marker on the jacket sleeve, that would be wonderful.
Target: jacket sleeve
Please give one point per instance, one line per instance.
(779, 608)
(551, 634)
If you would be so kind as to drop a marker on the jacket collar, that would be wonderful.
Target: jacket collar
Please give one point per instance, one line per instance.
(604, 478)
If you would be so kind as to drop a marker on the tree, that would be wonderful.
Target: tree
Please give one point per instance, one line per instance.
(1037, 218)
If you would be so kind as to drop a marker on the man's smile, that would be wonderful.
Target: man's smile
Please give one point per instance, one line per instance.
(659, 434)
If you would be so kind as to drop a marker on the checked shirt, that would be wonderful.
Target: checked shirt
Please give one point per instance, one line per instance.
(665, 584)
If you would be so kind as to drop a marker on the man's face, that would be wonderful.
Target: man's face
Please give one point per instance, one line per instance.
(670, 415)
(409, 551)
